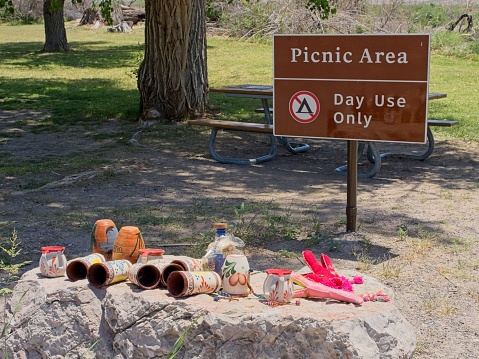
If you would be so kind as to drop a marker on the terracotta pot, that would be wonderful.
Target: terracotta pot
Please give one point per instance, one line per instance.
(78, 268)
(103, 235)
(103, 274)
(183, 283)
(166, 270)
(236, 275)
(144, 275)
(127, 244)
(189, 264)
(53, 262)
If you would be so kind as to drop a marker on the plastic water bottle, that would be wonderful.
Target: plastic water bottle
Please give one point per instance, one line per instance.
(213, 259)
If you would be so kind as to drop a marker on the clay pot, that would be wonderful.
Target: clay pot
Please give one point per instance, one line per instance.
(78, 268)
(53, 262)
(183, 283)
(189, 264)
(127, 244)
(166, 270)
(103, 235)
(236, 275)
(144, 275)
(103, 274)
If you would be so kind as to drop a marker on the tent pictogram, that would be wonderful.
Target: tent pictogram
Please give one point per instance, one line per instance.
(304, 106)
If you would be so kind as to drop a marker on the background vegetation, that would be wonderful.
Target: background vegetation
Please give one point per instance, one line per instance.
(96, 81)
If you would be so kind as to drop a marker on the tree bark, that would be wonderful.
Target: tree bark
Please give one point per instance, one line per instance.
(173, 79)
(55, 33)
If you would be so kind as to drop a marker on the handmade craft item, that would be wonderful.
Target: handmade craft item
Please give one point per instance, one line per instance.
(181, 263)
(53, 262)
(236, 276)
(103, 235)
(318, 290)
(188, 263)
(78, 268)
(278, 286)
(145, 275)
(127, 244)
(166, 270)
(103, 274)
(150, 254)
(184, 283)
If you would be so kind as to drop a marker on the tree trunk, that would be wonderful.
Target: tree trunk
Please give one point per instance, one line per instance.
(172, 79)
(55, 33)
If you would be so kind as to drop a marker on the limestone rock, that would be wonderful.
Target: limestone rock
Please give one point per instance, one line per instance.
(62, 319)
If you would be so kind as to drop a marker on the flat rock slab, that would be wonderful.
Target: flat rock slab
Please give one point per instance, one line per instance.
(58, 318)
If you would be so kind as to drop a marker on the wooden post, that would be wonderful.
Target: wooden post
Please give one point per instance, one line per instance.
(351, 209)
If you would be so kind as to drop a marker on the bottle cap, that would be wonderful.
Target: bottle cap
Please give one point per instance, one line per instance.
(220, 225)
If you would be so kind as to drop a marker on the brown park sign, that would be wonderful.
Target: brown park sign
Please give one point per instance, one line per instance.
(357, 87)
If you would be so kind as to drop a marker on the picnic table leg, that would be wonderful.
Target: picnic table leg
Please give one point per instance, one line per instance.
(293, 147)
(373, 157)
(239, 161)
(422, 156)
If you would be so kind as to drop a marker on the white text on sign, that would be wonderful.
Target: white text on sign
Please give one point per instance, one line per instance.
(366, 57)
(357, 102)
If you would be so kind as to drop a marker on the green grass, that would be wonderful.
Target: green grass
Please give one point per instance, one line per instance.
(96, 81)
(92, 83)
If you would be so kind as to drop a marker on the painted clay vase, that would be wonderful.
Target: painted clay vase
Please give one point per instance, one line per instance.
(145, 275)
(53, 262)
(236, 276)
(278, 286)
(77, 268)
(166, 270)
(183, 283)
(103, 274)
(150, 254)
(127, 244)
(189, 264)
(103, 235)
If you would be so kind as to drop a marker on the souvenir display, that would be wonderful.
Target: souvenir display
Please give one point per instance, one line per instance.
(228, 277)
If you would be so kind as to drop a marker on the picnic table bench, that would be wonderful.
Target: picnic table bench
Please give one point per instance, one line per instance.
(264, 93)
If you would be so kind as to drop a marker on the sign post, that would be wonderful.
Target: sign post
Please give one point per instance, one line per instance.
(354, 88)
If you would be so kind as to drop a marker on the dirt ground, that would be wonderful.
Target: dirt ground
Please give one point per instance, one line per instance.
(417, 220)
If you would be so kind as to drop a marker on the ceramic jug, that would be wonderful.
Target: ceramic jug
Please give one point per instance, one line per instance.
(150, 254)
(53, 262)
(278, 286)
(236, 276)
